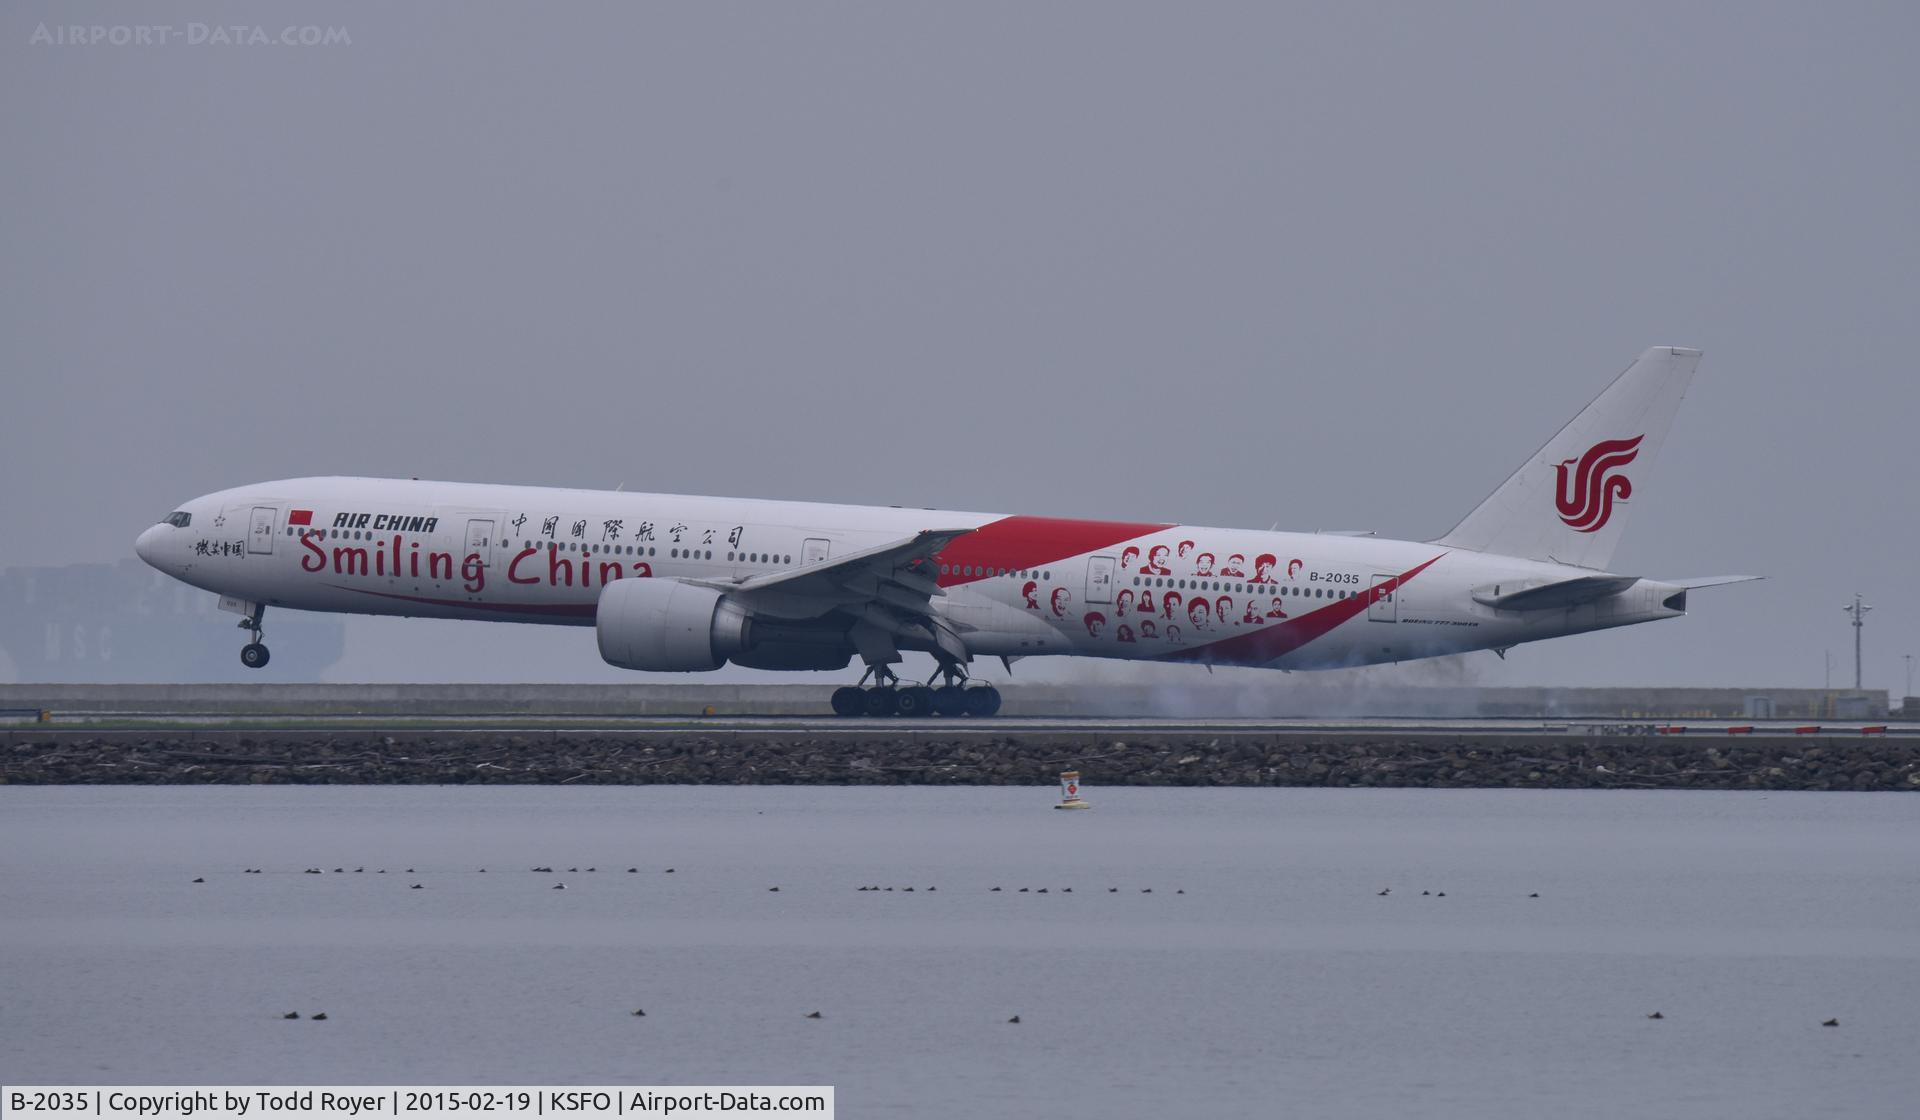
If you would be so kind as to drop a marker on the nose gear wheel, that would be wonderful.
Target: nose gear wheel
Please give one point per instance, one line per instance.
(254, 655)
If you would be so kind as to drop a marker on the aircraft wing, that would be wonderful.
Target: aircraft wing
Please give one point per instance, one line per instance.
(889, 591)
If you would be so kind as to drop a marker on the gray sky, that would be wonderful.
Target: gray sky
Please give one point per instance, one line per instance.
(1333, 267)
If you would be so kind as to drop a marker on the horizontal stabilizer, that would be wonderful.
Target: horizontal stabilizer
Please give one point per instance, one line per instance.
(1710, 581)
(1535, 595)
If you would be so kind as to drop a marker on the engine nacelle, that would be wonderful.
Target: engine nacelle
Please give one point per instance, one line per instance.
(666, 626)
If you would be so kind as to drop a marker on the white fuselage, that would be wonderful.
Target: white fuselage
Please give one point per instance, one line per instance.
(1015, 586)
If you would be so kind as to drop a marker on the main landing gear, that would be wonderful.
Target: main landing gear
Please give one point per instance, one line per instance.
(254, 654)
(888, 697)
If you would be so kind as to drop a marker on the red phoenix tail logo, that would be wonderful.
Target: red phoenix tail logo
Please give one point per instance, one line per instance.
(1589, 485)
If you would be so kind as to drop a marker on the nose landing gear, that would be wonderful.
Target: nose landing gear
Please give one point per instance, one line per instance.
(254, 654)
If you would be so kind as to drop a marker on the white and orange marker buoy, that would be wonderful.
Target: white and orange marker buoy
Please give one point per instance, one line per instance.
(1070, 791)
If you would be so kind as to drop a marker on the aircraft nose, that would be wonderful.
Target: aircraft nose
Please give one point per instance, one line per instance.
(147, 544)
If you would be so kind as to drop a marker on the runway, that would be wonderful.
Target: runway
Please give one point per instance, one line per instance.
(68, 723)
(1296, 700)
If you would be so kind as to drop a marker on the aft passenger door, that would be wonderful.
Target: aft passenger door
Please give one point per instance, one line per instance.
(1381, 604)
(813, 550)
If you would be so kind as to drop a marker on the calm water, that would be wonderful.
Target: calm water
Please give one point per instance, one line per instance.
(1280, 982)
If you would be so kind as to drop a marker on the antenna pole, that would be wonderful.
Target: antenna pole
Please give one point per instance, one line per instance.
(1859, 612)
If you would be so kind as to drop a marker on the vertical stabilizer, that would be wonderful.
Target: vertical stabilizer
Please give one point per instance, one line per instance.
(1568, 503)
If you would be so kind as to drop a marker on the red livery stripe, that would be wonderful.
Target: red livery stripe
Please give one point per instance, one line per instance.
(1264, 645)
(1014, 543)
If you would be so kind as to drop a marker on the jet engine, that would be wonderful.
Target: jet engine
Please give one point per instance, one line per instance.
(667, 626)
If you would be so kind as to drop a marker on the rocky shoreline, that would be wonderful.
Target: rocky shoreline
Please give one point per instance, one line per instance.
(1837, 762)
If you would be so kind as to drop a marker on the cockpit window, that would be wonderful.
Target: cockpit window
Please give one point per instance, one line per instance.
(179, 519)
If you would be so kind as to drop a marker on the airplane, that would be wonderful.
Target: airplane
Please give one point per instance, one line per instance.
(677, 583)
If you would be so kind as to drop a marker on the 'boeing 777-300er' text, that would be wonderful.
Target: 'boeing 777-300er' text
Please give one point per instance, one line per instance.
(673, 583)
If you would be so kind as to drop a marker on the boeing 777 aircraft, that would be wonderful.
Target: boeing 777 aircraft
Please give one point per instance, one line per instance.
(672, 583)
